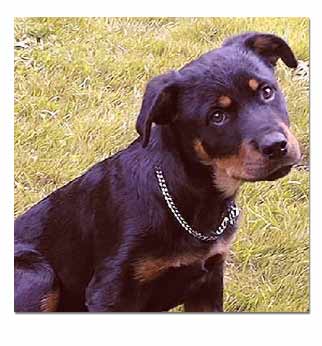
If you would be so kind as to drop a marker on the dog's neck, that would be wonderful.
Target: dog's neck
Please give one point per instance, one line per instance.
(189, 181)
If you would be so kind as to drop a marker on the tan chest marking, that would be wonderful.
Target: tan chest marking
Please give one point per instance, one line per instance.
(149, 268)
(50, 301)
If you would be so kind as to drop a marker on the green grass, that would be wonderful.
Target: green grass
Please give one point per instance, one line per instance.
(78, 89)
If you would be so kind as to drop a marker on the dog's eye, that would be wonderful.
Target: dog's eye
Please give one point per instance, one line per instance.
(218, 118)
(267, 93)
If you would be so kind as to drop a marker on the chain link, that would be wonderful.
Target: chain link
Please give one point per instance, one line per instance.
(231, 218)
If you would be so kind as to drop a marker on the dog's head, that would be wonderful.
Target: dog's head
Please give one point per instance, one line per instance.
(227, 110)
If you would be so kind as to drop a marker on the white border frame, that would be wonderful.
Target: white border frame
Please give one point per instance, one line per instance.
(82, 329)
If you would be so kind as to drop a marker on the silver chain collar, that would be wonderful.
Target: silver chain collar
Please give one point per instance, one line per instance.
(231, 218)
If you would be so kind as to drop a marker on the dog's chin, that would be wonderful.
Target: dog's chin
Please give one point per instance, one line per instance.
(280, 173)
(273, 175)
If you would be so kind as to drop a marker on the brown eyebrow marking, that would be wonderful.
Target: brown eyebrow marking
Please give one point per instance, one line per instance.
(224, 101)
(253, 84)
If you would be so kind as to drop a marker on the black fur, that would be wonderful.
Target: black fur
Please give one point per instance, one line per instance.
(87, 236)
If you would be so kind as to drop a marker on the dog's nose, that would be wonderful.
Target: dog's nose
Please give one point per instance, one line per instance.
(273, 145)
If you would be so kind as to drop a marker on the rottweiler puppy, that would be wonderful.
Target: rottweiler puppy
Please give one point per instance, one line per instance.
(149, 228)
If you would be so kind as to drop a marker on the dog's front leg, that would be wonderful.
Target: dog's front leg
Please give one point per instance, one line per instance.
(208, 297)
(110, 289)
(104, 291)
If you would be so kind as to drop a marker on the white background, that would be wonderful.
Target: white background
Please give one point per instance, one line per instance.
(155, 329)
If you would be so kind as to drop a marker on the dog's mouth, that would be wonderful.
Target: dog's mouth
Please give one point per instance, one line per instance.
(251, 166)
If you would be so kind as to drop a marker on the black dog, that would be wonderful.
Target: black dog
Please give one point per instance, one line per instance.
(149, 228)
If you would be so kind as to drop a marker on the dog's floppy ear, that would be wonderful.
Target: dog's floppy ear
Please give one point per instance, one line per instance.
(159, 104)
(269, 47)
(272, 48)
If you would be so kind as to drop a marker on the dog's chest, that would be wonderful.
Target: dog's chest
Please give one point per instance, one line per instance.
(147, 269)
